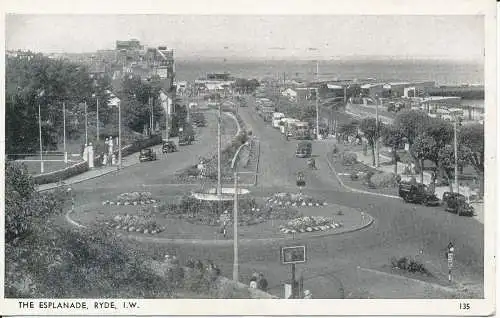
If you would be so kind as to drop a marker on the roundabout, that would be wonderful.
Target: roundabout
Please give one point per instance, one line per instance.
(196, 218)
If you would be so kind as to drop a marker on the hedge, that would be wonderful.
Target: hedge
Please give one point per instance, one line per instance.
(63, 174)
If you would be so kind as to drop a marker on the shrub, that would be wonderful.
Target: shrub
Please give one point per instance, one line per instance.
(354, 176)
(56, 176)
(384, 180)
(409, 264)
(349, 158)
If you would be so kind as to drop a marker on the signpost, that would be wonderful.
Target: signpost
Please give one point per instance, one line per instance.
(450, 255)
(293, 255)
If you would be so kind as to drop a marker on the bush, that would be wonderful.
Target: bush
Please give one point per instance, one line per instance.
(384, 180)
(354, 176)
(349, 158)
(409, 264)
(56, 176)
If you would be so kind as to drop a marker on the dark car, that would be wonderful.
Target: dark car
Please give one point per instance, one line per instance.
(186, 139)
(168, 146)
(147, 154)
(304, 149)
(417, 193)
(457, 203)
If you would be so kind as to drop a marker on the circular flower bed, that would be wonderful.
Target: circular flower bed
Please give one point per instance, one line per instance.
(131, 198)
(293, 200)
(135, 223)
(208, 212)
(309, 224)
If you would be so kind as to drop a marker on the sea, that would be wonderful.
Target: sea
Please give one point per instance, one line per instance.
(441, 72)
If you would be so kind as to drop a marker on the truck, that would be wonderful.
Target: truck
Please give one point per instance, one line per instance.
(299, 130)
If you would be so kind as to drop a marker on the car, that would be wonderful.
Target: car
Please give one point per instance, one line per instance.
(457, 203)
(147, 154)
(168, 146)
(185, 139)
(417, 193)
(304, 149)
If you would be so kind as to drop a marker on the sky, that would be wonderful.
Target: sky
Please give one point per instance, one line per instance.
(264, 36)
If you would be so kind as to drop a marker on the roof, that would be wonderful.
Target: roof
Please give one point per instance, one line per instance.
(366, 86)
(332, 86)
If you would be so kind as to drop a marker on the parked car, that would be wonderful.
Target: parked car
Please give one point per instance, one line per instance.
(304, 149)
(457, 203)
(147, 154)
(168, 146)
(417, 193)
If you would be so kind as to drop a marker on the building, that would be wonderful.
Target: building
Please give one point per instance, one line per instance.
(373, 90)
(129, 45)
(290, 94)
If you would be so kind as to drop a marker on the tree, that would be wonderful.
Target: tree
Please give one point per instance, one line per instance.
(392, 137)
(446, 160)
(472, 136)
(348, 129)
(424, 148)
(26, 76)
(371, 132)
(411, 124)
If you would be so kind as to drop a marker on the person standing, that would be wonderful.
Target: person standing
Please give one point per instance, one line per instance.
(262, 283)
(253, 281)
(307, 294)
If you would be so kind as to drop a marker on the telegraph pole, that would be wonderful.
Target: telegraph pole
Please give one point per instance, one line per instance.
(317, 115)
(97, 103)
(119, 135)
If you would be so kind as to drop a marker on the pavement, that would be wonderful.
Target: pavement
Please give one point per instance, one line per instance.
(331, 270)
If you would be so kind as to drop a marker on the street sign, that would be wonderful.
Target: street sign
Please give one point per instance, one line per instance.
(450, 260)
(293, 254)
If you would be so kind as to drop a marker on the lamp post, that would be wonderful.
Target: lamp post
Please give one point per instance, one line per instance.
(64, 134)
(97, 114)
(317, 115)
(40, 135)
(219, 119)
(119, 135)
(376, 132)
(235, 228)
(86, 126)
(455, 143)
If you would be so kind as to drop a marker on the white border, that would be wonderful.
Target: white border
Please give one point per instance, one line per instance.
(284, 7)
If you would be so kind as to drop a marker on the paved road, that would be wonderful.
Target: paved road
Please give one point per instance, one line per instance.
(338, 266)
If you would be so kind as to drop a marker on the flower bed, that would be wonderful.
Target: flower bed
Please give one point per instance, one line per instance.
(208, 212)
(309, 224)
(293, 200)
(132, 198)
(135, 223)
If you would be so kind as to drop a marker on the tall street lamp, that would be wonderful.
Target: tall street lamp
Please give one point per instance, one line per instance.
(97, 114)
(119, 135)
(376, 132)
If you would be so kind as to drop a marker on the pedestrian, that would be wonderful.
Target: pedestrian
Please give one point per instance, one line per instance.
(262, 282)
(253, 280)
(307, 294)
(199, 266)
